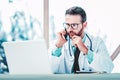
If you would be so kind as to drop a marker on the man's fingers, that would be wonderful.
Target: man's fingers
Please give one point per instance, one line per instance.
(62, 33)
(59, 35)
(73, 37)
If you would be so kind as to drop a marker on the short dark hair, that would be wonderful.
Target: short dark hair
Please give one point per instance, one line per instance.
(77, 11)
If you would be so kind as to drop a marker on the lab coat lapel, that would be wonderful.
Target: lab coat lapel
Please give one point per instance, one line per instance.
(69, 59)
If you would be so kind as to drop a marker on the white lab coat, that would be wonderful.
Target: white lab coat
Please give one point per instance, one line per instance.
(64, 63)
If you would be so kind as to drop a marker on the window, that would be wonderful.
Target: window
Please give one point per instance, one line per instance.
(24, 19)
(19, 20)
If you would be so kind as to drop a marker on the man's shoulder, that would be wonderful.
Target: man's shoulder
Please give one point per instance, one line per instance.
(96, 39)
(93, 37)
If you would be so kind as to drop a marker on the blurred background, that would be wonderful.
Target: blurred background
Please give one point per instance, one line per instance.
(35, 19)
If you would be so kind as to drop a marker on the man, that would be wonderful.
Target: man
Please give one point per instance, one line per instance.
(75, 51)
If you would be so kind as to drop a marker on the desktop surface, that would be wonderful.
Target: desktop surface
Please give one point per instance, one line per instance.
(94, 76)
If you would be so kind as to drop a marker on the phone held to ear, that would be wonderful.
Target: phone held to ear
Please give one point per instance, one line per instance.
(66, 35)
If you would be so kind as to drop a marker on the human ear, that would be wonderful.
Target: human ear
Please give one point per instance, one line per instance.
(84, 24)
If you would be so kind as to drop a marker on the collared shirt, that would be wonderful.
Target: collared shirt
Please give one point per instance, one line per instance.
(57, 51)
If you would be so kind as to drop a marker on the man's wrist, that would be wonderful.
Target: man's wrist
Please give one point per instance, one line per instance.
(58, 45)
(84, 50)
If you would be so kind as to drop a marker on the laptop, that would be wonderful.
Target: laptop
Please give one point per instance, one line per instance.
(27, 57)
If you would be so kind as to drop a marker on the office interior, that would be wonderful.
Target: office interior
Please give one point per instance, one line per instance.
(35, 19)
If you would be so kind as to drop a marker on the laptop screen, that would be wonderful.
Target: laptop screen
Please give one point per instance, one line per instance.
(27, 57)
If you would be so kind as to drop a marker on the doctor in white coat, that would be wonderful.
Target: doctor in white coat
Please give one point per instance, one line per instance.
(76, 51)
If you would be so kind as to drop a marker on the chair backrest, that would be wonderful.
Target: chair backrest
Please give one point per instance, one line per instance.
(115, 53)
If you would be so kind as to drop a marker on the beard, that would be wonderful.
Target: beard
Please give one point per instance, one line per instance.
(71, 33)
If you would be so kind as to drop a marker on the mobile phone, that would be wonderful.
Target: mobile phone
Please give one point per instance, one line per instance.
(66, 34)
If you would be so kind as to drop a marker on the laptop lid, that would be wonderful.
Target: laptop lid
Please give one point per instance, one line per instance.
(27, 57)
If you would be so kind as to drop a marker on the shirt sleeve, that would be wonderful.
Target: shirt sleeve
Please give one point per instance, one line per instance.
(90, 56)
(56, 51)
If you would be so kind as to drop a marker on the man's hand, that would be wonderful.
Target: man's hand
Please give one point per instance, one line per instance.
(61, 39)
(77, 41)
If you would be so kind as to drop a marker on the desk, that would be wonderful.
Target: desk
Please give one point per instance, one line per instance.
(113, 76)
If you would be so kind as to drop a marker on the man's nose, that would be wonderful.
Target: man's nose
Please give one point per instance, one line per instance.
(70, 28)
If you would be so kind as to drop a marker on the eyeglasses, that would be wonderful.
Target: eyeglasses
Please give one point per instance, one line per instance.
(73, 26)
